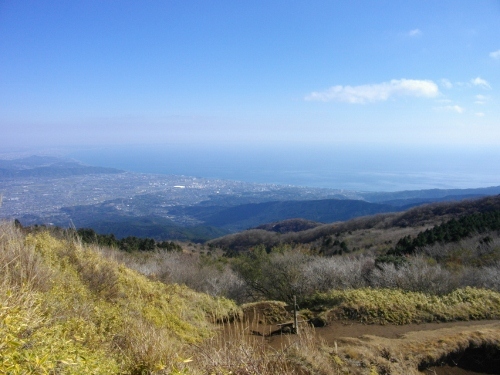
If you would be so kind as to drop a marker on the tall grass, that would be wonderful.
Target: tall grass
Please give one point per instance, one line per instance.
(236, 351)
(66, 309)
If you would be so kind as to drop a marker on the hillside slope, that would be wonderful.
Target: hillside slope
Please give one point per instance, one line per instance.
(391, 226)
(67, 309)
(254, 214)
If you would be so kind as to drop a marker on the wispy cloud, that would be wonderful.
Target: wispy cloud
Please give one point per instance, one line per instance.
(376, 92)
(415, 32)
(481, 99)
(495, 55)
(444, 101)
(451, 108)
(446, 83)
(481, 83)
(455, 108)
(479, 114)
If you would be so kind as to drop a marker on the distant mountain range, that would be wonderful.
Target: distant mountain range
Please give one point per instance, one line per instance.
(46, 166)
(412, 197)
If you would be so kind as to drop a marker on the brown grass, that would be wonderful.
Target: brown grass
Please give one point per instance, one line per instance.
(236, 351)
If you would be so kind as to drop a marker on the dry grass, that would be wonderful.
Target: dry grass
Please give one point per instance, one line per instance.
(382, 306)
(66, 309)
(235, 351)
(20, 264)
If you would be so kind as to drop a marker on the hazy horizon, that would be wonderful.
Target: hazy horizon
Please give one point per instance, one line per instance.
(376, 87)
(366, 169)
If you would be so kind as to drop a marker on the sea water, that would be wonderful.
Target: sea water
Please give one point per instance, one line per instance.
(358, 168)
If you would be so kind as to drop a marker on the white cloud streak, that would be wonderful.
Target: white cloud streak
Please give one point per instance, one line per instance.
(454, 108)
(481, 99)
(415, 32)
(446, 83)
(450, 108)
(495, 55)
(376, 92)
(481, 83)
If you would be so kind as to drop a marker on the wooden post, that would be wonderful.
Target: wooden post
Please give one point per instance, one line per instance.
(295, 323)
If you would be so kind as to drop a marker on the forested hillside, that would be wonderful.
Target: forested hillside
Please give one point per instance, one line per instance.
(376, 232)
(251, 215)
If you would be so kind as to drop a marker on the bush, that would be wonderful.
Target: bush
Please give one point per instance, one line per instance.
(323, 274)
(416, 275)
(275, 276)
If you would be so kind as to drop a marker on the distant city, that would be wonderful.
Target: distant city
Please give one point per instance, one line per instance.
(66, 193)
(38, 199)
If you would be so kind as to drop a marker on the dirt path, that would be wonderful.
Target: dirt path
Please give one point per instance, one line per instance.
(337, 330)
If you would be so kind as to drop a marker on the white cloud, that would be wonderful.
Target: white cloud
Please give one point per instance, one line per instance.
(479, 114)
(495, 55)
(481, 99)
(376, 92)
(456, 108)
(446, 83)
(480, 82)
(415, 32)
(452, 108)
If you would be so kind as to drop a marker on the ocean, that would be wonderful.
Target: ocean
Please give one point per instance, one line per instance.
(337, 167)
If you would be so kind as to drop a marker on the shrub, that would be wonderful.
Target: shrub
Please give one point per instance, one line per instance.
(275, 276)
(416, 275)
(323, 274)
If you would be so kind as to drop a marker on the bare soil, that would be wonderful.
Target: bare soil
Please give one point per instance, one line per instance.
(338, 330)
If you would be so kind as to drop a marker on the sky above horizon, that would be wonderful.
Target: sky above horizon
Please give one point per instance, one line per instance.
(381, 73)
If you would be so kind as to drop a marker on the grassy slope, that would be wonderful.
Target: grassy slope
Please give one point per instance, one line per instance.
(66, 309)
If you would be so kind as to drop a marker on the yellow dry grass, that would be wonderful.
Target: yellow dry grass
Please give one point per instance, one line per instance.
(382, 306)
(66, 309)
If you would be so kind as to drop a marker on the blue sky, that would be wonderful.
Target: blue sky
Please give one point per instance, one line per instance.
(382, 73)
